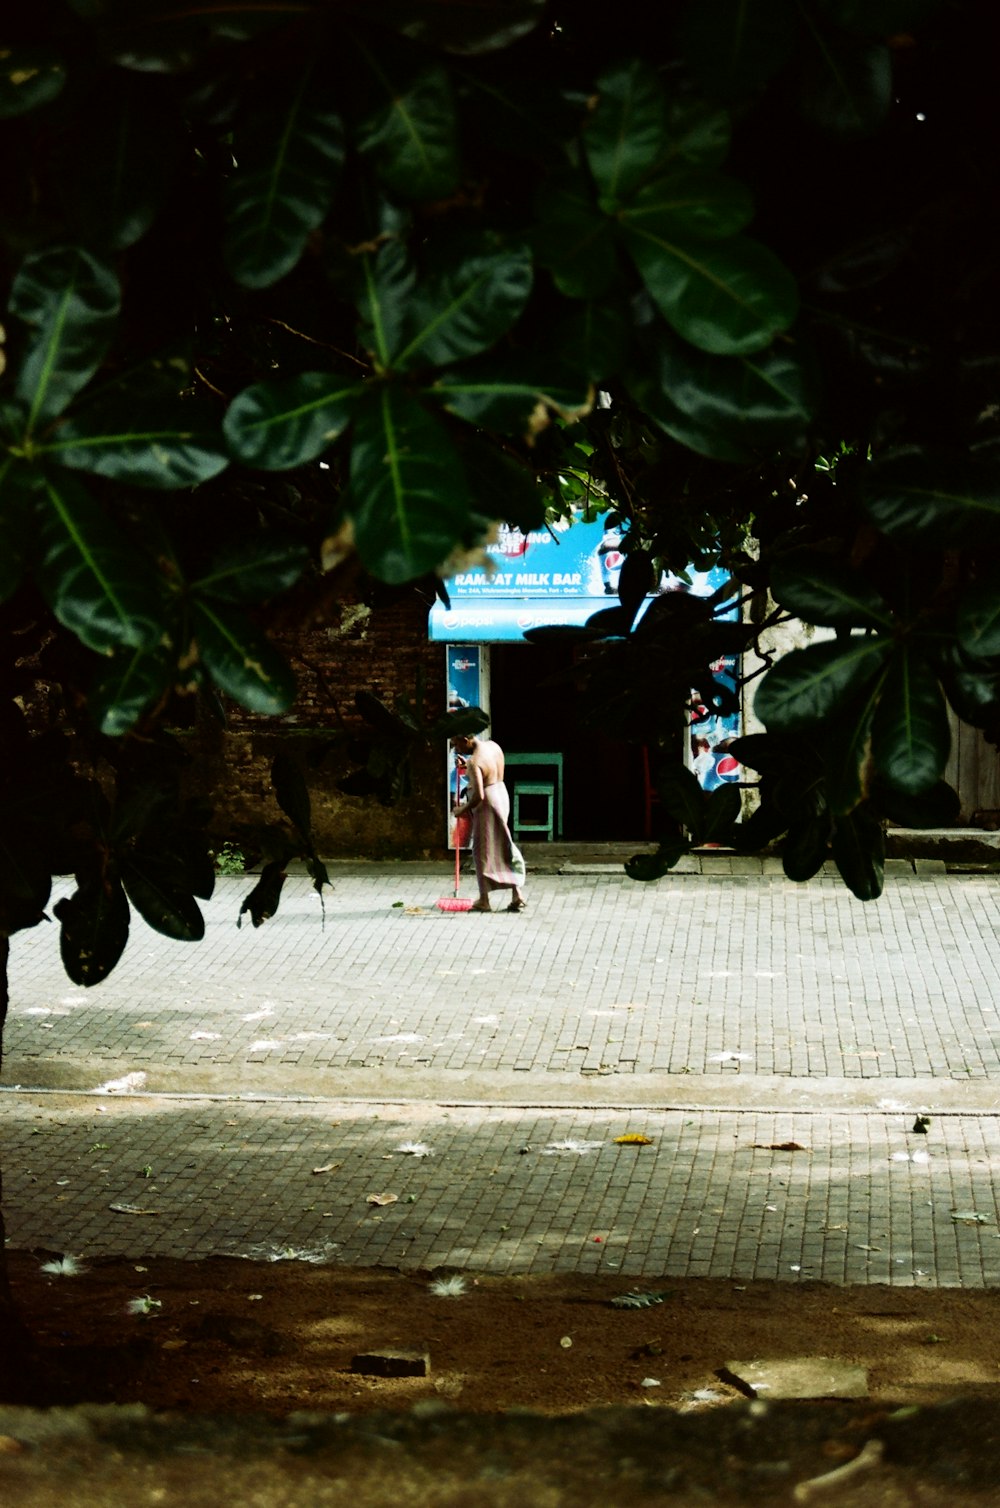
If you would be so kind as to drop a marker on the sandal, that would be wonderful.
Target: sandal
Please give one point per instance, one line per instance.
(477, 907)
(517, 905)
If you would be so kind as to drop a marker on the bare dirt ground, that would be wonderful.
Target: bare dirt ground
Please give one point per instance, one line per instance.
(227, 1336)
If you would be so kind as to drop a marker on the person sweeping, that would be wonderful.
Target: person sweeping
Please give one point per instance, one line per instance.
(498, 860)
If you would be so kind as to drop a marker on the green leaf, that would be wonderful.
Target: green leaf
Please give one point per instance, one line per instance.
(317, 872)
(732, 407)
(697, 132)
(706, 441)
(510, 394)
(164, 444)
(411, 133)
(70, 302)
(760, 752)
(978, 621)
(845, 88)
(846, 743)
(409, 497)
(380, 717)
(809, 685)
(647, 867)
(735, 48)
(240, 659)
(859, 852)
(594, 340)
(29, 77)
(464, 306)
(262, 902)
(624, 136)
(827, 593)
(939, 806)
(728, 298)
(163, 904)
(469, 29)
(911, 738)
(503, 487)
(806, 847)
(722, 810)
(469, 720)
(933, 499)
(134, 682)
(388, 283)
(115, 169)
(289, 150)
(573, 239)
(277, 425)
(25, 877)
(94, 926)
(689, 201)
(96, 585)
(292, 793)
(681, 796)
(973, 690)
(252, 571)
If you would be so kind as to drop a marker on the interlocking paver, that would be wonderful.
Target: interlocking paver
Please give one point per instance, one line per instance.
(712, 1194)
(691, 975)
(723, 1016)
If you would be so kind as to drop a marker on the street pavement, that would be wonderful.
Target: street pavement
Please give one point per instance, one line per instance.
(774, 1043)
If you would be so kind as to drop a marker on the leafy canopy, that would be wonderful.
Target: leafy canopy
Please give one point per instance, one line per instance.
(287, 283)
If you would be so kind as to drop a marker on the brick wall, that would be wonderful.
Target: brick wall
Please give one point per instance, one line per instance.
(377, 650)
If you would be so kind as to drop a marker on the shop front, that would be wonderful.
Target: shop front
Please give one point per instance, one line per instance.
(568, 783)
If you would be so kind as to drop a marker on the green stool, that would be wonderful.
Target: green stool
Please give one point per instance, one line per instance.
(535, 826)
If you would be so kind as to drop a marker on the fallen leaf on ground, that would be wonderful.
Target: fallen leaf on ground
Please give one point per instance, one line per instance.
(381, 1199)
(780, 1146)
(633, 1139)
(328, 1167)
(131, 1209)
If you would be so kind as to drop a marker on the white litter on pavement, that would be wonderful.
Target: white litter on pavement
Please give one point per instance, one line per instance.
(127, 1084)
(570, 1145)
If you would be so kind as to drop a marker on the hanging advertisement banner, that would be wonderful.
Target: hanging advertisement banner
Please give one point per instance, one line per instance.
(468, 686)
(538, 579)
(562, 577)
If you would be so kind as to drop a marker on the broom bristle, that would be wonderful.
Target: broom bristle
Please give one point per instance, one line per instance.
(454, 903)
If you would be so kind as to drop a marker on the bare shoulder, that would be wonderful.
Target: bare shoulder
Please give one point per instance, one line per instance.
(489, 758)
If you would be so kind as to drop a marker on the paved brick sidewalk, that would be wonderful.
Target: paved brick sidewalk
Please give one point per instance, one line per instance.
(721, 1016)
(719, 978)
(863, 1200)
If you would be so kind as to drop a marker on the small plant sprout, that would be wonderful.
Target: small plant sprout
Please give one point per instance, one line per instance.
(64, 1267)
(415, 1149)
(146, 1171)
(144, 1306)
(229, 859)
(448, 1288)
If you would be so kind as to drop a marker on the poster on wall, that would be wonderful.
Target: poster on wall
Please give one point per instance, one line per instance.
(711, 734)
(467, 687)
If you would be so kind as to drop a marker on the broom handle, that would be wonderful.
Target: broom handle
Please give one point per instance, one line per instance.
(458, 852)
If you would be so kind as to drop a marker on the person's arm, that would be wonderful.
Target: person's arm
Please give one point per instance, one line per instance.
(473, 790)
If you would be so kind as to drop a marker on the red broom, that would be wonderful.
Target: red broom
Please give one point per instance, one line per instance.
(453, 902)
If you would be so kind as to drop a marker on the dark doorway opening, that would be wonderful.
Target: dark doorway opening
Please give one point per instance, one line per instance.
(535, 706)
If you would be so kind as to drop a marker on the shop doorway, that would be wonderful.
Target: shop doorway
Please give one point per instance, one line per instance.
(534, 705)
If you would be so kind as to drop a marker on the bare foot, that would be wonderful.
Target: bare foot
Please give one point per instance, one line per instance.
(481, 906)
